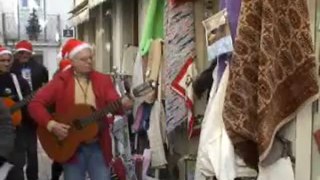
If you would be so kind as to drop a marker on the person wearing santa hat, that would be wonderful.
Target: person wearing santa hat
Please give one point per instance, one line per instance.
(14, 87)
(36, 75)
(7, 131)
(80, 84)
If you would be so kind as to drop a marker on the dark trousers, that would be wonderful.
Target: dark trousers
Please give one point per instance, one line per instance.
(56, 171)
(25, 153)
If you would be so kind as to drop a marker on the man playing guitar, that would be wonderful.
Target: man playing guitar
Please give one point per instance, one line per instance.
(14, 87)
(7, 134)
(80, 84)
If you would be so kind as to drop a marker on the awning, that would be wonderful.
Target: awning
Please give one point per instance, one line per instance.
(80, 17)
(79, 6)
(80, 13)
(94, 3)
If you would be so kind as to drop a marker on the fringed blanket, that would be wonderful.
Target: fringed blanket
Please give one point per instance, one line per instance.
(272, 74)
(179, 46)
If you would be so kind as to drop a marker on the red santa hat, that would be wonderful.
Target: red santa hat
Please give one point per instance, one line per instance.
(4, 50)
(24, 45)
(64, 64)
(73, 47)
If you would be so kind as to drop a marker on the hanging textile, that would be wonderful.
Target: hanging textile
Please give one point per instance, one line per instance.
(280, 170)
(182, 84)
(272, 74)
(218, 37)
(233, 9)
(156, 133)
(215, 153)
(153, 25)
(179, 46)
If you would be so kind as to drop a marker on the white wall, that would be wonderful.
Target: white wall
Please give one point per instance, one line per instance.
(56, 7)
(61, 7)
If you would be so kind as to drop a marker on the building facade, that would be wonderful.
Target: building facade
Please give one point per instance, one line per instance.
(52, 18)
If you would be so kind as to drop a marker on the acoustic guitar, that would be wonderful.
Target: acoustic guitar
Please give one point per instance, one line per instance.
(84, 126)
(14, 107)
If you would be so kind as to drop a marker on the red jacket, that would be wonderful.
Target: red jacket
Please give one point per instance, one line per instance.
(60, 92)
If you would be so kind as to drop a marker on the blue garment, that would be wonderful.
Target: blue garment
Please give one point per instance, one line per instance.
(89, 160)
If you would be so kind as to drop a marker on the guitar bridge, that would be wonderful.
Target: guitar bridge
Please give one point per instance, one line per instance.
(77, 124)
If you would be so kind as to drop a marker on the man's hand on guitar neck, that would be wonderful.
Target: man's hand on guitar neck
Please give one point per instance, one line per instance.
(59, 129)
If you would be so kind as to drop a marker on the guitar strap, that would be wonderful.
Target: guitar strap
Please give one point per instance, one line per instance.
(17, 86)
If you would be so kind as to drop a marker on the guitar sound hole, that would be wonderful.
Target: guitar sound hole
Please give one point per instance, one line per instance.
(77, 124)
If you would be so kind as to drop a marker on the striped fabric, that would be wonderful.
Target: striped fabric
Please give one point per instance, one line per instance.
(179, 47)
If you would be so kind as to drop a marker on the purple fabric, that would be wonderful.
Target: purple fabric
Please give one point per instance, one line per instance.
(233, 9)
(221, 65)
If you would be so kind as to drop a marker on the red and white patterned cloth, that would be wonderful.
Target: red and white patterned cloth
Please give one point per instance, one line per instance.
(182, 85)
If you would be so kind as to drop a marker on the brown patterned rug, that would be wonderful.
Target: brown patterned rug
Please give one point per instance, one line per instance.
(272, 74)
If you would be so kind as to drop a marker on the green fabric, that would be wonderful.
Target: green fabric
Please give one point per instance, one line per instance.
(153, 26)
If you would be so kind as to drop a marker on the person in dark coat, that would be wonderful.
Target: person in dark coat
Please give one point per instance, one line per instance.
(15, 88)
(36, 75)
(7, 133)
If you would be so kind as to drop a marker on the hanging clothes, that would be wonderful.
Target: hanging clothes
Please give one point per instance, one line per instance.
(137, 79)
(215, 153)
(153, 25)
(179, 46)
(182, 85)
(272, 75)
(156, 133)
(127, 63)
(280, 170)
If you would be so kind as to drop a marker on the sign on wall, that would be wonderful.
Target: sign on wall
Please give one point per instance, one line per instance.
(68, 33)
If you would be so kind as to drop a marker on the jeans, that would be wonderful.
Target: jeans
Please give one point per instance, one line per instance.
(25, 152)
(89, 159)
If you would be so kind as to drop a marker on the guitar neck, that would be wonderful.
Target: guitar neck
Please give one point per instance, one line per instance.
(98, 115)
(22, 103)
(111, 108)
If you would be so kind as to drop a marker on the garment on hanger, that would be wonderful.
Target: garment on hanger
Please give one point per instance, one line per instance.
(157, 131)
(153, 25)
(216, 153)
(127, 63)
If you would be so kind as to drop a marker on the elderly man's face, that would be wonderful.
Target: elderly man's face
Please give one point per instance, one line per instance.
(23, 56)
(83, 61)
(6, 61)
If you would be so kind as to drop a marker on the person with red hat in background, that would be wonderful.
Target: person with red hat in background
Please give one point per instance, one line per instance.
(80, 84)
(14, 87)
(36, 75)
